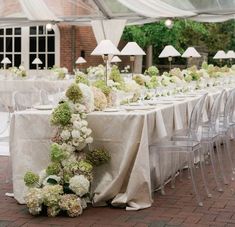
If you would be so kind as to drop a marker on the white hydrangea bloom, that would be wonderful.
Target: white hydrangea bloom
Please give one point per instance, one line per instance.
(89, 140)
(79, 185)
(65, 134)
(76, 134)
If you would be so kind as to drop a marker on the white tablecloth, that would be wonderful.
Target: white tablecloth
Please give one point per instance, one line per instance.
(126, 179)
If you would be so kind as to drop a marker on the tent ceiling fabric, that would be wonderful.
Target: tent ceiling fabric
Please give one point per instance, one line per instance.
(28, 12)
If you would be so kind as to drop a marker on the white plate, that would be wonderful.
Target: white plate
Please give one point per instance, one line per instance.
(129, 108)
(111, 110)
(43, 107)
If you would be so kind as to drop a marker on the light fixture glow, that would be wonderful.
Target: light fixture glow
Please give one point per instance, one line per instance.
(49, 27)
(169, 23)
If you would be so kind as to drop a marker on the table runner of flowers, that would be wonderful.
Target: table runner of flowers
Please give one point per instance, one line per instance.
(65, 184)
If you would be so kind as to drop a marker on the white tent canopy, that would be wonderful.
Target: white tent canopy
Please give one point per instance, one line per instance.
(27, 12)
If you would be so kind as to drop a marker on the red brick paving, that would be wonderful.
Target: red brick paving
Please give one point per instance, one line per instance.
(177, 208)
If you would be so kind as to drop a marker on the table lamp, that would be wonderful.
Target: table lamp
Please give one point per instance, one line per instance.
(116, 59)
(37, 62)
(220, 55)
(105, 48)
(5, 61)
(230, 55)
(80, 61)
(190, 53)
(169, 52)
(132, 49)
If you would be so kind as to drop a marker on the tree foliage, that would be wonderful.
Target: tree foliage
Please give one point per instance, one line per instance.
(183, 34)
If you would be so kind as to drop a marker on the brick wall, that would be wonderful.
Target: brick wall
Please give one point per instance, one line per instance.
(73, 40)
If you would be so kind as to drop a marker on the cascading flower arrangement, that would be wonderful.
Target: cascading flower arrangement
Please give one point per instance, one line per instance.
(65, 184)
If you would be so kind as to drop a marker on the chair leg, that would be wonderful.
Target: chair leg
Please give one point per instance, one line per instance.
(193, 178)
(212, 157)
(228, 151)
(172, 170)
(161, 160)
(202, 167)
(219, 155)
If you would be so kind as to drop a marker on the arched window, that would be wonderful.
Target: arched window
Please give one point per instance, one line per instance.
(23, 45)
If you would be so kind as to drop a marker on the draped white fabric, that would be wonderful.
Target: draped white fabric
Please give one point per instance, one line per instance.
(80, 12)
(159, 8)
(37, 10)
(155, 8)
(108, 29)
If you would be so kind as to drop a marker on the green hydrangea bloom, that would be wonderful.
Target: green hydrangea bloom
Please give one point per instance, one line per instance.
(81, 78)
(103, 87)
(31, 179)
(57, 153)
(53, 168)
(152, 71)
(139, 80)
(115, 75)
(98, 157)
(74, 93)
(61, 114)
(85, 166)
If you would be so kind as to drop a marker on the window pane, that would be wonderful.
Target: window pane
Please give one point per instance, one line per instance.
(10, 57)
(1, 31)
(51, 44)
(1, 44)
(40, 30)
(42, 58)
(1, 58)
(17, 44)
(33, 31)
(31, 58)
(42, 46)
(50, 60)
(9, 31)
(32, 44)
(8, 44)
(17, 60)
(17, 31)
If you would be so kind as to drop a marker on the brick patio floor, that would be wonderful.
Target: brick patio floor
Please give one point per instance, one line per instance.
(177, 208)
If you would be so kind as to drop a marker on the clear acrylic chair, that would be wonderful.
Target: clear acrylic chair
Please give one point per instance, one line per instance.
(210, 136)
(188, 146)
(26, 100)
(5, 117)
(226, 124)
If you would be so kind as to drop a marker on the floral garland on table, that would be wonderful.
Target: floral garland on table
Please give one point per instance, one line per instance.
(60, 72)
(19, 72)
(64, 185)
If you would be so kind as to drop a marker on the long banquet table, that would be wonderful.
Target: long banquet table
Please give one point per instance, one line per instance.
(128, 178)
(8, 87)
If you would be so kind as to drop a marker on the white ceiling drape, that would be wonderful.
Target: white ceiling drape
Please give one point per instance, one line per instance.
(155, 8)
(37, 10)
(108, 29)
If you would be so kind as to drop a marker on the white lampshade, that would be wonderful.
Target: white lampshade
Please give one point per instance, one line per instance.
(191, 52)
(80, 60)
(115, 59)
(169, 51)
(220, 55)
(6, 61)
(37, 61)
(105, 47)
(132, 48)
(230, 54)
